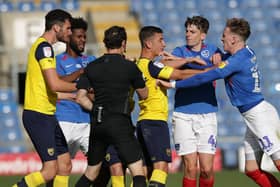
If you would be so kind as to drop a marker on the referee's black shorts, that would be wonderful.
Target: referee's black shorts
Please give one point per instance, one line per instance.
(117, 130)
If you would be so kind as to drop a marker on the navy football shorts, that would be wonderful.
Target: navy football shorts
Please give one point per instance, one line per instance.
(154, 138)
(45, 134)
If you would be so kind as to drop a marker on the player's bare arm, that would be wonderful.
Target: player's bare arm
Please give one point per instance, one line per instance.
(163, 83)
(66, 95)
(183, 74)
(84, 100)
(142, 93)
(55, 83)
(176, 62)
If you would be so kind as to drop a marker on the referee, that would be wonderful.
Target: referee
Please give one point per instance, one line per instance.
(111, 77)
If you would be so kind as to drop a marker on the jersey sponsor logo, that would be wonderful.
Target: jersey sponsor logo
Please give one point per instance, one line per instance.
(51, 151)
(205, 53)
(47, 51)
(69, 65)
(222, 64)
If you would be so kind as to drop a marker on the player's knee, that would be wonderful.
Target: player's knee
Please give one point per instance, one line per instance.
(206, 172)
(191, 170)
(65, 168)
(116, 169)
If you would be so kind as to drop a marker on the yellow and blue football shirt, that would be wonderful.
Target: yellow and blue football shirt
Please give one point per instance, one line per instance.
(38, 97)
(155, 107)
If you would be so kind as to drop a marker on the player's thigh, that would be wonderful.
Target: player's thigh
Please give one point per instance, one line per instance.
(185, 139)
(207, 133)
(266, 129)
(156, 139)
(41, 129)
(206, 161)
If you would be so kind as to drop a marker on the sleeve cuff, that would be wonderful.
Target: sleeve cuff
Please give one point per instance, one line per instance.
(173, 84)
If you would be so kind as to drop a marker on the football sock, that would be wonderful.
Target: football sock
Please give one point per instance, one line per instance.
(158, 177)
(60, 181)
(50, 183)
(206, 182)
(33, 179)
(118, 181)
(83, 182)
(260, 178)
(189, 182)
(139, 181)
(274, 182)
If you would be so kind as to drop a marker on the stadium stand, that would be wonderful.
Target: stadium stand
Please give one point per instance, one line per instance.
(11, 134)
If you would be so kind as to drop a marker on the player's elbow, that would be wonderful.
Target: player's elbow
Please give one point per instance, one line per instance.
(142, 93)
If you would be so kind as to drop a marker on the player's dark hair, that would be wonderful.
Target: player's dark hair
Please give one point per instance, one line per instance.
(114, 36)
(239, 26)
(56, 16)
(79, 23)
(200, 22)
(147, 32)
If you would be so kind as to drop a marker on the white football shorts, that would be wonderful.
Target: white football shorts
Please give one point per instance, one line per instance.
(263, 130)
(194, 133)
(76, 135)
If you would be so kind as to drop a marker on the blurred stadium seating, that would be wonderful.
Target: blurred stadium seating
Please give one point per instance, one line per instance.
(264, 17)
(11, 135)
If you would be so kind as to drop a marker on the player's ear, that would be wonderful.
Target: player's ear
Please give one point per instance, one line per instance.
(148, 44)
(203, 36)
(56, 28)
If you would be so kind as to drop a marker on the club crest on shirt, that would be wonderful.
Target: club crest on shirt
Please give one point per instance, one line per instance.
(51, 151)
(108, 157)
(205, 53)
(47, 51)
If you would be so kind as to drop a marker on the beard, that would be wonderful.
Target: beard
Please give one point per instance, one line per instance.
(75, 48)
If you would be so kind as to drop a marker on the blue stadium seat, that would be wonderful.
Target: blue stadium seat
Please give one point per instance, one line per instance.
(251, 4)
(6, 6)
(48, 5)
(12, 149)
(6, 95)
(10, 135)
(271, 3)
(27, 6)
(9, 121)
(8, 108)
(70, 5)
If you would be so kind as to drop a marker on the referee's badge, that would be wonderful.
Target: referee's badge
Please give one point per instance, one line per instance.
(51, 151)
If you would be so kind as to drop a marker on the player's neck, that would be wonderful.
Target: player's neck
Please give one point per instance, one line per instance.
(72, 53)
(237, 47)
(147, 54)
(50, 37)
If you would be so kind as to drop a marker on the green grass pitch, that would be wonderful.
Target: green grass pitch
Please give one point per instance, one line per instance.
(225, 178)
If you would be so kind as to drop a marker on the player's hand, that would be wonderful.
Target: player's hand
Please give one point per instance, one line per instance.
(168, 56)
(196, 60)
(164, 84)
(216, 59)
